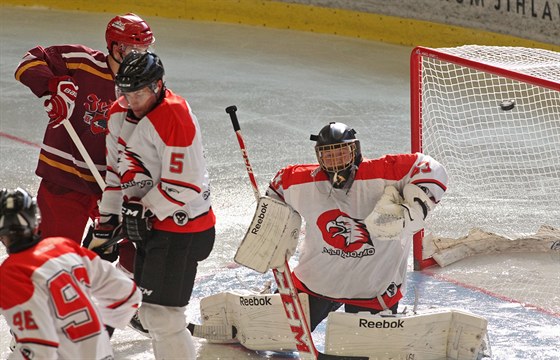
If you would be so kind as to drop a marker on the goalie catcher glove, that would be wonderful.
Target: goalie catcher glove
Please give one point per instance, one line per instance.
(272, 236)
(61, 103)
(386, 221)
(104, 229)
(136, 220)
(417, 205)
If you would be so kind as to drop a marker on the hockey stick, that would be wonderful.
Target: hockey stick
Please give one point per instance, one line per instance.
(218, 333)
(76, 139)
(119, 236)
(283, 276)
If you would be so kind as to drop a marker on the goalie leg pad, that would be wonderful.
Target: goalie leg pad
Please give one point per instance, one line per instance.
(437, 334)
(272, 236)
(260, 320)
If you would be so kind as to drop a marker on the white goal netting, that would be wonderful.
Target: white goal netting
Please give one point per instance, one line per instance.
(491, 115)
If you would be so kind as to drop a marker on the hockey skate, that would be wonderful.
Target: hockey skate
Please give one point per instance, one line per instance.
(136, 325)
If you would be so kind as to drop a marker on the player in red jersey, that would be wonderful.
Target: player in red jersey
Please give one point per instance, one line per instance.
(78, 83)
(60, 300)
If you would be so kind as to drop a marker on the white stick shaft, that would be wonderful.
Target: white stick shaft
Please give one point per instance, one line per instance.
(76, 139)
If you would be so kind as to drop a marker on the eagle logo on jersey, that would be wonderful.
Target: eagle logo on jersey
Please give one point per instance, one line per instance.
(96, 114)
(135, 166)
(343, 232)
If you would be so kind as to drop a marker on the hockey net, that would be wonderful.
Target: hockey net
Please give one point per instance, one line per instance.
(491, 116)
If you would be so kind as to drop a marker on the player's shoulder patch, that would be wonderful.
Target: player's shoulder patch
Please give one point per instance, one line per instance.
(173, 120)
(15, 277)
(388, 167)
(301, 174)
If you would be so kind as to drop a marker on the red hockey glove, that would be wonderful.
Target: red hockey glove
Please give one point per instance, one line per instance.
(61, 104)
(136, 220)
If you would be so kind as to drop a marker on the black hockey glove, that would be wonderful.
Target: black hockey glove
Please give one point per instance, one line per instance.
(104, 231)
(136, 220)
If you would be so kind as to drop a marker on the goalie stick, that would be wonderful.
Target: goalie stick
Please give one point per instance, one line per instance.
(283, 276)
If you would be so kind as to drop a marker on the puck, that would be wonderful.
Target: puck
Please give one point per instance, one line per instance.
(507, 105)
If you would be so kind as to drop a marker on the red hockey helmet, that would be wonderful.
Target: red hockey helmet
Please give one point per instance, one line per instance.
(129, 29)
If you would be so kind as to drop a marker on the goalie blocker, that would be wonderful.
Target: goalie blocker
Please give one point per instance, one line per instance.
(272, 236)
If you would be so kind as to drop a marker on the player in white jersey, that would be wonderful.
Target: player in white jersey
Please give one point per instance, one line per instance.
(346, 257)
(157, 179)
(61, 300)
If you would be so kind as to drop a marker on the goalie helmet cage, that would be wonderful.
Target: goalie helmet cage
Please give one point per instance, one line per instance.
(491, 116)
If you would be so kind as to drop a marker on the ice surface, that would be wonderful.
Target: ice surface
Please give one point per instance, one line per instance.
(286, 86)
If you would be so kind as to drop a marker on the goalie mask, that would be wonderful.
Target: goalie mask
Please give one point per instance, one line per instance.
(19, 219)
(338, 153)
(129, 32)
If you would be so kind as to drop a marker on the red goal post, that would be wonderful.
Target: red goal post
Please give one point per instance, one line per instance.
(491, 115)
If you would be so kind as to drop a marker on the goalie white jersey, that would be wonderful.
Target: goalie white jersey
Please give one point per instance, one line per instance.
(339, 259)
(57, 298)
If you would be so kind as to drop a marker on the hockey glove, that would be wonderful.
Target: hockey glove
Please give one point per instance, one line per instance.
(105, 229)
(136, 220)
(386, 221)
(61, 103)
(417, 204)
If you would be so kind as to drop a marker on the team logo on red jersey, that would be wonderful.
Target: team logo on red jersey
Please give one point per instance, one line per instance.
(343, 232)
(96, 114)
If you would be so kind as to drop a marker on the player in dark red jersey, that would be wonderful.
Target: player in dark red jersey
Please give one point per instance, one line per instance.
(160, 185)
(78, 83)
(60, 300)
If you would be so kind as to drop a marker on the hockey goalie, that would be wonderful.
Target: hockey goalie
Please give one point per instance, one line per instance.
(360, 215)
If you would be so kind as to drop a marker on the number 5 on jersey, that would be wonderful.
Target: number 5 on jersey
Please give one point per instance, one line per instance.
(176, 163)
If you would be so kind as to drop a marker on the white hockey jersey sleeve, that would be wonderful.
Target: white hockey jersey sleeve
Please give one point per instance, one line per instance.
(428, 173)
(117, 296)
(111, 199)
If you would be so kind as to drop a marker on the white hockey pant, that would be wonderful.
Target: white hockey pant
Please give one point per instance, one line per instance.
(168, 328)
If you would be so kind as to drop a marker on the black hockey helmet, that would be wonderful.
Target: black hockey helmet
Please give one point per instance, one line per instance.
(19, 219)
(139, 70)
(338, 152)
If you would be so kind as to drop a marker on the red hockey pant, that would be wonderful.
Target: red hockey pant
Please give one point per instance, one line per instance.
(65, 212)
